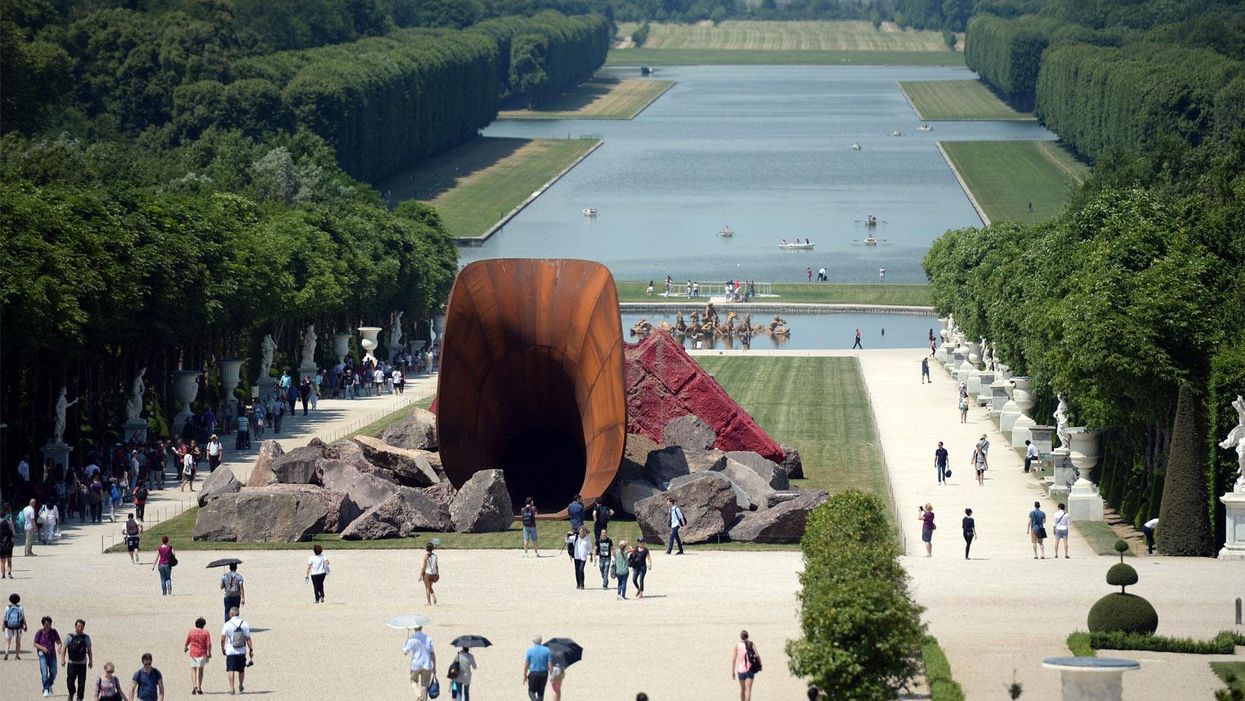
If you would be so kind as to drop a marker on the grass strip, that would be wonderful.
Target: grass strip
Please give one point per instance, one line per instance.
(1007, 177)
(745, 57)
(599, 98)
(788, 35)
(936, 100)
(942, 686)
(1100, 536)
(798, 292)
(1232, 674)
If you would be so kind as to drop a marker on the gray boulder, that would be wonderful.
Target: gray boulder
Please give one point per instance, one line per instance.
(708, 505)
(632, 491)
(262, 474)
(299, 465)
(482, 504)
(220, 482)
(791, 462)
(339, 508)
(665, 464)
(742, 500)
(276, 514)
(757, 489)
(785, 495)
(689, 432)
(366, 490)
(403, 513)
(635, 456)
(784, 523)
(774, 474)
(418, 431)
(409, 468)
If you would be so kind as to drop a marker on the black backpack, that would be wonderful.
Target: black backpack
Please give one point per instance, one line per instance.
(754, 660)
(75, 647)
(452, 672)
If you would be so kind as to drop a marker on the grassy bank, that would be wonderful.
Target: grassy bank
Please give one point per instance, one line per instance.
(599, 98)
(958, 99)
(1232, 674)
(757, 57)
(803, 293)
(942, 686)
(476, 184)
(1006, 177)
(850, 36)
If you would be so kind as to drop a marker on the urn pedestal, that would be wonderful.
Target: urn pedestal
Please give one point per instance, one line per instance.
(134, 430)
(998, 397)
(1010, 411)
(1022, 431)
(1042, 437)
(57, 452)
(1084, 501)
(958, 355)
(1234, 526)
(984, 378)
(230, 378)
(185, 389)
(1022, 395)
(1063, 476)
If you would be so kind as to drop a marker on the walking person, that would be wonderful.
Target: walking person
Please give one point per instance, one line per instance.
(47, 642)
(621, 567)
(536, 669)
(528, 513)
(925, 378)
(317, 570)
(1036, 529)
(575, 513)
(214, 452)
(940, 463)
(857, 342)
(1147, 529)
(77, 657)
(430, 573)
(140, 501)
(28, 525)
(188, 470)
(236, 645)
(234, 587)
(460, 673)
(980, 465)
(147, 684)
(640, 561)
(132, 531)
(423, 661)
(164, 563)
(969, 524)
(676, 522)
(604, 553)
(14, 626)
(557, 675)
(927, 527)
(745, 663)
(1063, 523)
(108, 685)
(1031, 455)
(582, 553)
(963, 410)
(199, 647)
(8, 534)
(600, 519)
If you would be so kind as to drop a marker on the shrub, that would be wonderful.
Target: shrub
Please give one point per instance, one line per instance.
(1221, 644)
(1121, 612)
(1121, 575)
(1079, 644)
(938, 673)
(1183, 512)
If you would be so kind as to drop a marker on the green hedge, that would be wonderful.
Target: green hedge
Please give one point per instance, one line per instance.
(942, 687)
(1222, 644)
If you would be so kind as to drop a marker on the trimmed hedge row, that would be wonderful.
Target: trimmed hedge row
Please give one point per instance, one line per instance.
(1222, 644)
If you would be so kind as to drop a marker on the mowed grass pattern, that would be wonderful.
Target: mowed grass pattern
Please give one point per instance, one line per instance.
(818, 405)
(1005, 176)
(787, 36)
(746, 57)
(958, 99)
(799, 292)
(597, 99)
(476, 184)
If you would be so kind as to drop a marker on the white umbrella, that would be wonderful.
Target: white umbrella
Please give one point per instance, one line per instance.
(417, 620)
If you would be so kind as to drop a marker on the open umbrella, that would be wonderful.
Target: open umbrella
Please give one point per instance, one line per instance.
(224, 562)
(566, 652)
(471, 641)
(417, 620)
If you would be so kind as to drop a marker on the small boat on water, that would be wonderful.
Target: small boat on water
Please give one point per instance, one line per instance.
(590, 211)
(925, 127)
(870, 239)
(896, 133)
(871, 220)
(855, 147)
(726, 232)
(796, 245)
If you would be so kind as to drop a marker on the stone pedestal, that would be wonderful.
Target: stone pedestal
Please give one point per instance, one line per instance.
(1022, 431)
(1042, 437)
(1084, 501)
(958, 355)
(267, 388)
(998, 397)
(185, 389)
(964, 371)
(136, 430)
(1234, 526)
(985, 378)
(1091, 678)
(307, 372)
(1064, 474)
(944, 353)
(58, 452)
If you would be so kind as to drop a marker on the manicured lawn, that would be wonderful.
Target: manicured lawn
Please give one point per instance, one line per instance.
(1100, 537)
(800, 292)
(958, 99)
(797, 57)
(818, 405)
(1006, 176)
(787, 36)
(476, 184)
(600, 98)
(1234, 671)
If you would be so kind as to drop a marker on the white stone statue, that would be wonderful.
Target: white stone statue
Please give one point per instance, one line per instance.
(134, 405)
(266, 348)
(994, 353)
(1061, 422)
(1236, 439)
(58, 430)
(987, 358)
(395, 331)
(309, 347)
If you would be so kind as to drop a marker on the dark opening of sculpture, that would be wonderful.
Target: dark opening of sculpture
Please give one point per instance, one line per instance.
(532, 379)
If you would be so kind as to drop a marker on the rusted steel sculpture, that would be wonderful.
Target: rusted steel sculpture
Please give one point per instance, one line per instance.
(532, 379)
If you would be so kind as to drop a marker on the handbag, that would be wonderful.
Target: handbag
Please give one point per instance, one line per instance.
(172, 559)
(946, 472)
(434, 689)
(1041, 532)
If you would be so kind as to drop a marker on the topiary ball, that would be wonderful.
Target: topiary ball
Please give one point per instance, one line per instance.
(1127, 613)
(1121, 546)
(1121, 575)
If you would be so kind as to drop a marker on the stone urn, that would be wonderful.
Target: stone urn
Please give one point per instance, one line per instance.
(230, 377)
(1084, 501)
(965, 371)
(1083, 444)
(341, 346)
(1002, 371)
(370, 339)
(185, 389)
(974, 353)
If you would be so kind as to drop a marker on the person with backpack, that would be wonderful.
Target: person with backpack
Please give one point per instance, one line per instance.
(528, 514)
(676, 522)
(234, 587)
(600, 519)
(147, 684)
(459, 674)
(76, 658)
(108, 686)
(8, 534)
(14, 626)
(621, 565)
(132, 531)
(47, 640)
(235, 645)
(165, 560)
(140, 501)
(745, 663)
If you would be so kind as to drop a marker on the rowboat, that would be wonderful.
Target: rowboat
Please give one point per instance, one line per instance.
(870, 239)
(590, 211)
(726, 232)
(925, 127)
(796, 246)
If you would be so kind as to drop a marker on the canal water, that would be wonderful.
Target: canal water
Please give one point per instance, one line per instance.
(815, 331)
(767, 151)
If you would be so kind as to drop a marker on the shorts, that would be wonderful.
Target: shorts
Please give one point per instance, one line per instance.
(197, 662)
(529, 534)
(745, 675)
(927, 535)
(235, 663)
(1060, 534)
(10, 633)
(131, 544)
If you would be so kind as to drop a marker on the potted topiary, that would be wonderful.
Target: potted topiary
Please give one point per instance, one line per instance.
(1121, 611)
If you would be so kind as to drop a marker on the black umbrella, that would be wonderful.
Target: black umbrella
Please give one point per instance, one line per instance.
(224, 562)
(471, 641)
(566, 652)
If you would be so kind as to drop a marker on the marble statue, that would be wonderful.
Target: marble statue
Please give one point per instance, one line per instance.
(987, 358)
(1236, 439)
(266, 348)
(134, 405)
(58, 430)
(994, 354)
(309, 347)
(395, 331)
(1061, 422)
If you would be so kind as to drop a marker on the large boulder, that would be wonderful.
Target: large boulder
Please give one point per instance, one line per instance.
(666, 464)
(418, 431)
(403, 513)
(708, 505)
(483, 504)
(742, 499)
(690, 433)
(791, 462)
(749, 481)
(220, 482)
(773, 473)
(276, 514)
(632, 491)
(409, 468)
(635, 456)
(261, 473)
(365, 489)
(299, 465)
(339, 508)
(783, 523)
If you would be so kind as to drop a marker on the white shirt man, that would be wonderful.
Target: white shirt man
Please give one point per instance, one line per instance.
(28, 523)
(235, 641)
(1031, 455)
(423, 662)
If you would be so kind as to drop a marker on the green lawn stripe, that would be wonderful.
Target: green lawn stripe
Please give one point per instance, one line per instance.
(1005, 176)
(958, 100)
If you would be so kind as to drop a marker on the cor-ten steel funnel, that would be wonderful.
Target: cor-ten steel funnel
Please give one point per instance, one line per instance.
(532, 379)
